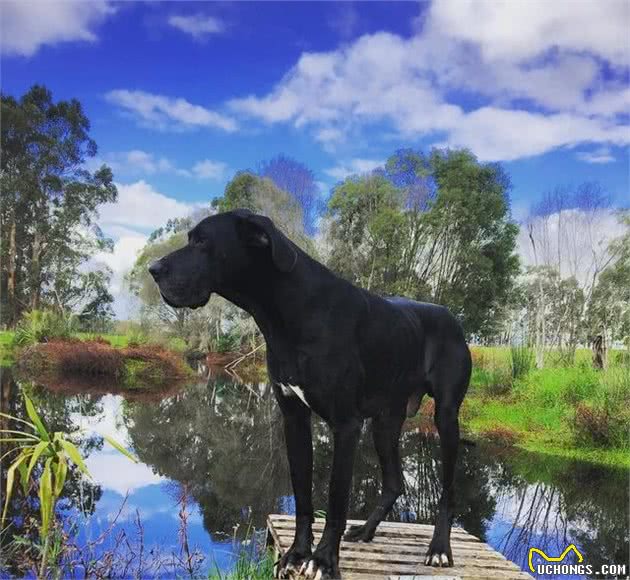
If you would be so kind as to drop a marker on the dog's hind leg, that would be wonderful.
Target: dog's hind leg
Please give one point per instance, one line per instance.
(450, 387)
(386, 434)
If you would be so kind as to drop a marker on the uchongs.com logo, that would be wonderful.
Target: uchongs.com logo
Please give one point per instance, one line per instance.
(554, 566)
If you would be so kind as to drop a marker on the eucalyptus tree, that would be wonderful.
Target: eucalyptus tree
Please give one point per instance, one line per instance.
(49, 204)
(431, 227)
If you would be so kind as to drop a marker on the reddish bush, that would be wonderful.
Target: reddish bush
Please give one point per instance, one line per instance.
(100, 359)
(501, 435)
(591, 425)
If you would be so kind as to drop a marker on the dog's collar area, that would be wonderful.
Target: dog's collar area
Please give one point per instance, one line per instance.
(289, 390)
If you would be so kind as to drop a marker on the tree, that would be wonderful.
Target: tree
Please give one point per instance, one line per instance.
(49, 204)
(299, 182)
(560, 311)
(568, 231)
(608, 313)
(433, 228)
(262, 196)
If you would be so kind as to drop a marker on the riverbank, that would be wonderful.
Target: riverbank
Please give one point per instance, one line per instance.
(575, 412)
(133, 367)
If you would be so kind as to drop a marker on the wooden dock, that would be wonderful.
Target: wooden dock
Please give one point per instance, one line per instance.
(398, 551)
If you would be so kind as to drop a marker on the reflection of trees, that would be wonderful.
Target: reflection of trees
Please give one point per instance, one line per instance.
(59, 414)
(553, 502)
(224, 441)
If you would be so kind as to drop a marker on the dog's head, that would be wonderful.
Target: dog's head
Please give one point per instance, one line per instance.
(225, 252)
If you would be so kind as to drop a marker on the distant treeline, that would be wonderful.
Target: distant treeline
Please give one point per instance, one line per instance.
(434, 226)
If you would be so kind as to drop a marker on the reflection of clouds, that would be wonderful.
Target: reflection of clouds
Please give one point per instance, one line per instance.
(108, 422)
(116, 472)
(109, 468)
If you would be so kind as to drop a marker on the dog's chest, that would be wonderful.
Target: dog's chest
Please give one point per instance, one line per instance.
(289, 390)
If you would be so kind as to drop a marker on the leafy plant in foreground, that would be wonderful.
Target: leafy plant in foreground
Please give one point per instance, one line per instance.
(35, 445)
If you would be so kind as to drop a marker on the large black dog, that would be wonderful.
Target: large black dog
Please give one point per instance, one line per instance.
(339, 350)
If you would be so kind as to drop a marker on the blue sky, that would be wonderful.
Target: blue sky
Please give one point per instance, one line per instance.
(181, 95)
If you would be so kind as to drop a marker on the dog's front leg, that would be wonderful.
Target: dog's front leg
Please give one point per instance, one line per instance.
(324, 563)
(297, 432)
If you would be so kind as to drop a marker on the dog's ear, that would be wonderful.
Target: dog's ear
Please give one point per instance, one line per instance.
(260, 231)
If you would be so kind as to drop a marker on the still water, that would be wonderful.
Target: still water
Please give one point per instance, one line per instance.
(212, 466)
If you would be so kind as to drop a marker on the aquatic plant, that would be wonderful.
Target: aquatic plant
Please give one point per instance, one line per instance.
(42, 326)
(37, 446)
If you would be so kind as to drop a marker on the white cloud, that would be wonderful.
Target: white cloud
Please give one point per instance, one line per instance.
(28, 25)
(539, 84)
(208, 169)
(519, 30)
(163, 112)
(199, 26)
(354, 167)
(504, 134)
(140, 206)
(600, 155)
(138, 162)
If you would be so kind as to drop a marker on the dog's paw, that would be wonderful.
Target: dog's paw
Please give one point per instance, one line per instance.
(320, 567)
(359, 534)
(439, 555)
(289, 565)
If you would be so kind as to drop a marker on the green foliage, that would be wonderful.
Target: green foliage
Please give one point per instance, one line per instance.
(494, 381)
(247, 567)
(522, 358)
(228, 342)
(37, 450)
(49, 206)
(572, 410)
(44, 325)
(433, 228)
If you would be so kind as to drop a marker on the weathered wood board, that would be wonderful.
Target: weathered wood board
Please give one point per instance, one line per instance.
(398, 550)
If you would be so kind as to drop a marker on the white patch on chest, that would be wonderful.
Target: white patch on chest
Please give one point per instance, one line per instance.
(293, 391)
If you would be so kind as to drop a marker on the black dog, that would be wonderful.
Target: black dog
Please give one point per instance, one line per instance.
(339, 350)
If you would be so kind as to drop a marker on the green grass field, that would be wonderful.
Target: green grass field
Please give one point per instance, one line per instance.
(576, 411)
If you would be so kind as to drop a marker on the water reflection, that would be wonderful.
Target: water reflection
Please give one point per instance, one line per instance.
(220, 443)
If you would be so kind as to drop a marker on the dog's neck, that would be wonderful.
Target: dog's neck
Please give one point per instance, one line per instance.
(279, 303)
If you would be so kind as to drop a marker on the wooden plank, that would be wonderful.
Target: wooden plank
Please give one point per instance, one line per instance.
(398, 549)
(378, 546)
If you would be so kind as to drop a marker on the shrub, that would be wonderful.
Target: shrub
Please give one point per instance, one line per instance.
(494, 381)
(227, 343)
(559, 387)
(522, 361)
(43, 326)
(479, 358)
(501, 435)
(591, 425)
(622, 358)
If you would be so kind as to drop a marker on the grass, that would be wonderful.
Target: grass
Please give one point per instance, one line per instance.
(574, 412)
(6, 348)
(247, 568)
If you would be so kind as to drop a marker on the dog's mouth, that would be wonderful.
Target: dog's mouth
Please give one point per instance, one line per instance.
(191, 305)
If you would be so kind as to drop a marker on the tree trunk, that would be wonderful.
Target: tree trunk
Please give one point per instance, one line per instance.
(11, 277)
(36, 278)
(599, 352)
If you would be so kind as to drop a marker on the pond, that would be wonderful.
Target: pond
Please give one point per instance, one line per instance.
(212, 466)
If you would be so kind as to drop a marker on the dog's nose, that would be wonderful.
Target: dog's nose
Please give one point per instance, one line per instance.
(157, 269)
